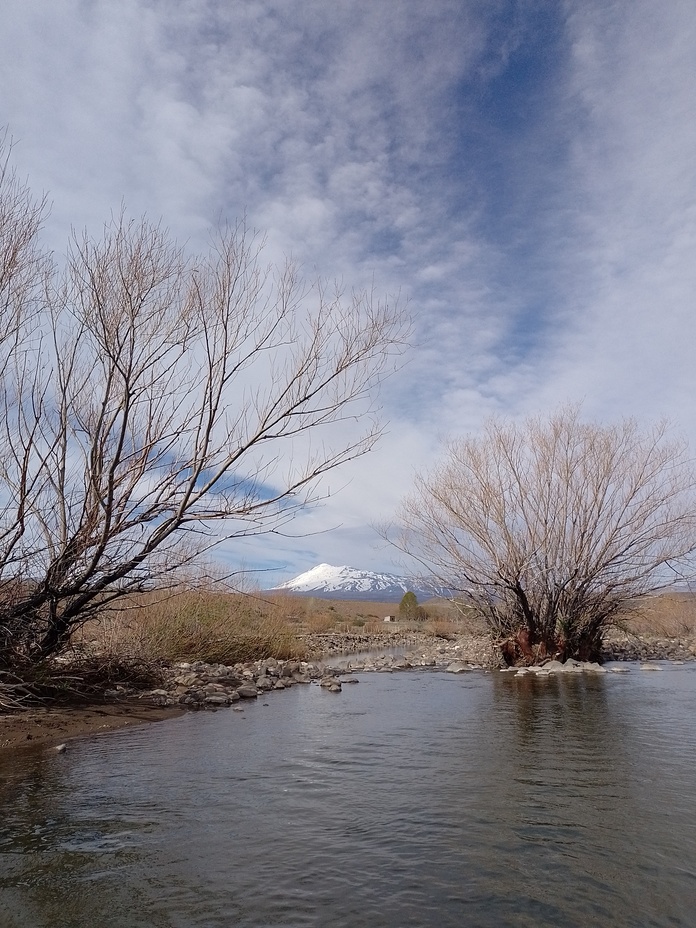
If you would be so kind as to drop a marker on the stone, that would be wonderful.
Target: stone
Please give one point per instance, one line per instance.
(265, 683)
(400, 663)
(186, 679)
(217, 699)
(247, 691)
(650, 667)
(213, 688)
(457, 667)
(594, 667)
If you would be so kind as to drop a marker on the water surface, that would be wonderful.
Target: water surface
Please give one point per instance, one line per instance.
(409, 799)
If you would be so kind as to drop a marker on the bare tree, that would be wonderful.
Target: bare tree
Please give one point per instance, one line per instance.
(160, 403)
(551, 528)
(23, 265)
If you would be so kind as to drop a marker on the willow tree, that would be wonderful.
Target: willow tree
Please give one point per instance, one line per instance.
(155, 403)
(550, 529)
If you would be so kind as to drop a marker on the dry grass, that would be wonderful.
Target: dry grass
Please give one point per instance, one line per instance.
(670, 615)
(316, 616)
(232, 628)
(213, 627)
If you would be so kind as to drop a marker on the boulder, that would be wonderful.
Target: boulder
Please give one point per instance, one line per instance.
(217, 699)
(457, 667)
(247, 691)
(400, 663)
(594, 667)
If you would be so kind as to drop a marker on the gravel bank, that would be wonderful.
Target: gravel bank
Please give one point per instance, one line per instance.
(196, 685)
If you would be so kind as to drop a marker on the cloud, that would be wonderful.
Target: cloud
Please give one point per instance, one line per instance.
(625, 268)
(522, 175)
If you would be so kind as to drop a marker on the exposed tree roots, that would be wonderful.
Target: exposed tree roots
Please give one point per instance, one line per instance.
(79, 679)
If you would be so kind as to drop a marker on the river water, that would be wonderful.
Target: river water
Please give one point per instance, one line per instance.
(410, 799)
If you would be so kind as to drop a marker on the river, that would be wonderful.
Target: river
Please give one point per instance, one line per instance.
(410, 799)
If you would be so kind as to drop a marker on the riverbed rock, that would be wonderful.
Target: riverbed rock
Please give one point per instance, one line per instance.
(457, 667)
(186, 679)
(247, 691)
(400, 663)
(593, 667)
(554, 667)
(217, 699)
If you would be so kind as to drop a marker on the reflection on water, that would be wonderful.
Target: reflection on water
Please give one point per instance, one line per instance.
(411, 799)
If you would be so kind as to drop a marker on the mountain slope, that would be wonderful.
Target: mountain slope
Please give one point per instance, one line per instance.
(328, 582)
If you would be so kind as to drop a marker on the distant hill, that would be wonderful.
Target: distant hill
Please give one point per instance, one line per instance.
(327, 582)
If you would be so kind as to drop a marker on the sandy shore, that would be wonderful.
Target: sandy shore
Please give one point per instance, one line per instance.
(53, 726)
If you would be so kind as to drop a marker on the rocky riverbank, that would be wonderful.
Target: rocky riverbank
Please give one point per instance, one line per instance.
(196, 685)
(620, 646)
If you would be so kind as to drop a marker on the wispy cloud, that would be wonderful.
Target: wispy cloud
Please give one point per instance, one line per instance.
(522, 173)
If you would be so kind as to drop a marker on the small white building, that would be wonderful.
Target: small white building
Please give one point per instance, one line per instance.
(390, 618)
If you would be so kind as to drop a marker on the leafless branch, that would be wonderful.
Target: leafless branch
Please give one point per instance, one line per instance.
(155, 403)
(551, 528)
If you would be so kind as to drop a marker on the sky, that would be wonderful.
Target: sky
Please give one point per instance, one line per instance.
(522, 174)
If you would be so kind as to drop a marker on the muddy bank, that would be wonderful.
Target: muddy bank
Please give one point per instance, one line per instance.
(49, 727)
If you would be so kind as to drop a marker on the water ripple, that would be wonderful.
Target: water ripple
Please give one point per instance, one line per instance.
(413, 799)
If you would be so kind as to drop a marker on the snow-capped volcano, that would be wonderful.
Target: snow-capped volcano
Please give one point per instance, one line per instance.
(349, 583)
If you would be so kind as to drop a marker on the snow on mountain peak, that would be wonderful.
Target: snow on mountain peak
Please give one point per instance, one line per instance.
(325, 578)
